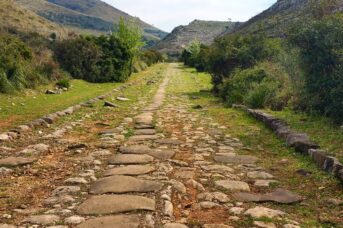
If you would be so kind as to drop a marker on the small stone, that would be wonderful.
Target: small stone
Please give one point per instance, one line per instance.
(63, 190)
(208, 205)
(264, 183)
(233, 185)
(236, 210)
(168, 209)
(180, 187)
(264, 224)
(220, 197)
(110, 104)
(259, 212)
(216, 226)
(175, 225)
(290, 226)
(259, 175)
(7, 226)
(73, 220)
(76, 180)
(43, 219)
(16, 161)
(195, 185)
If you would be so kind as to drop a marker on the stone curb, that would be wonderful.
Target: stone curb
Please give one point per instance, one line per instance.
(46, 120)
(299, 141)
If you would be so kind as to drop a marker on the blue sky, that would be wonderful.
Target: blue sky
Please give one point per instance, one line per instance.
(167, 14)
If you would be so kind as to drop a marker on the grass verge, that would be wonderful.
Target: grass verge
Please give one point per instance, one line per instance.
(284, 163)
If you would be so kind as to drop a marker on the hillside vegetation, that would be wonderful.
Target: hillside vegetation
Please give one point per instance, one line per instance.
(15, 18)
(87, 16)
(275, 20)
(303, 71)
(203, 31)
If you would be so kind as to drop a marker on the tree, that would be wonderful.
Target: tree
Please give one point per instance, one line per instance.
(130, 36)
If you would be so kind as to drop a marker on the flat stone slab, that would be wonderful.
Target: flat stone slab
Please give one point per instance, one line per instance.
(236, 159)
(135, 149)
(138, 138)
(130, 159)
(16, 161)
(261, 212)
(278, 196)
(142, 149)
(184, 174)
(113, 204)
(144, 118)
(259, 175)
(217, 168)
(169, 141)
(145, 132)
(117, 221)
(42, 219)
(144, 126)
(123, 184)
(175, 225)
(131, 170)
(233, 185)
(162, 154)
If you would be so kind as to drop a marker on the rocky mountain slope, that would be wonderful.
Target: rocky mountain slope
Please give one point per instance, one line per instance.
(275, 20)
(15, 18)
(85, 16)
(203, 31)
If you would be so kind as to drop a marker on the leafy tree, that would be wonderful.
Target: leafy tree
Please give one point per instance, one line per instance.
(130, 36)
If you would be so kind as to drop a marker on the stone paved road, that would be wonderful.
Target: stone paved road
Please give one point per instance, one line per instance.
(175, 168)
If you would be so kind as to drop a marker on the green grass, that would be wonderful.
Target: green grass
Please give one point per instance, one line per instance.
(22, 108)
(262, 143)
(320, 129)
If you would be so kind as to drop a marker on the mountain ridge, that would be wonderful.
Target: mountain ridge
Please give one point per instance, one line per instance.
(88, 16)
(201, 30)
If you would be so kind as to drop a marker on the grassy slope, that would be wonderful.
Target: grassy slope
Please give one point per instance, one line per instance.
(13, 16)
(17, 109)
(317, 188)
(320, 129)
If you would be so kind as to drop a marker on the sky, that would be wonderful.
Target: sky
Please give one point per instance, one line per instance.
(167, 14)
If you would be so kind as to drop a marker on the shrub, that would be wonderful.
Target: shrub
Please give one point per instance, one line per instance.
(265, 85)
(321, 49)
(80, 58)
(63, 83)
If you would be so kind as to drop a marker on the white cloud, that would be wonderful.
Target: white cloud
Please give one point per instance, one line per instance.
(167, 14)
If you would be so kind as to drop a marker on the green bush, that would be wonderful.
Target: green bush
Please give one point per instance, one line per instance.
(265, 85)
(101, 59)
(14, 55)
(63, 83)
(321, 49)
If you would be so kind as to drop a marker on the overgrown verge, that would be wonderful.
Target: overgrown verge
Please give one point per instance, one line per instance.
(303, 71)
(28, 60)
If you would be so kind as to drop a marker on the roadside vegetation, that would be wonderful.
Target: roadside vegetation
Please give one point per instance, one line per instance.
(317, 187)
(302, 71)
(30, 60)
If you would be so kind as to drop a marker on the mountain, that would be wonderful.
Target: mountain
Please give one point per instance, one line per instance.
(87, 16)
(204, 31)
(14, 18)
(275, 20)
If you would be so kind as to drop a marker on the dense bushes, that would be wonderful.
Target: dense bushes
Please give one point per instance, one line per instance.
(304, 71)
(321, 50)
(106, 58)
(24, 65)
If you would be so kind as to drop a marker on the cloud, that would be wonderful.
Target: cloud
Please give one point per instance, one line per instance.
(167, 14)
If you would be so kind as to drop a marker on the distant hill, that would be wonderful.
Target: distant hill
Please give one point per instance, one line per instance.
(87, 16)
(15, 18)
(276, 19)
(204, 31)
